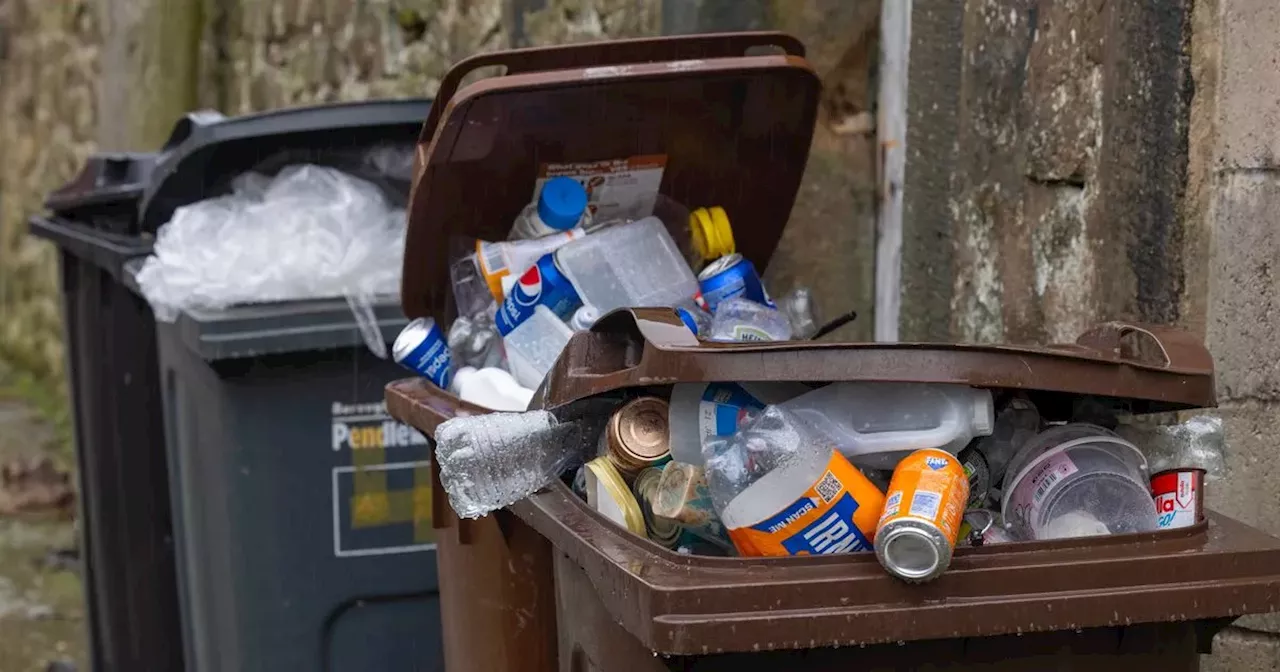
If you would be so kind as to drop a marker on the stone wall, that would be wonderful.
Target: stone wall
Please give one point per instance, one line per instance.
(1073, 161)
(77, 75)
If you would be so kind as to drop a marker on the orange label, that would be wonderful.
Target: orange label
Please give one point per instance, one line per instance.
(837, 514)
(928, 484)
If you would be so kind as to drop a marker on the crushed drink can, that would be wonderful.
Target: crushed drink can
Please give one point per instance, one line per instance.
(1179, 496)
(682, 495)
(663, 531)
(730, 276)
(922, 515)
(541, 285)
(423, 348)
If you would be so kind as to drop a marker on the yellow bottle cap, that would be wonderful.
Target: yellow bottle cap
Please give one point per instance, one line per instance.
(711, 233)
(608, 494)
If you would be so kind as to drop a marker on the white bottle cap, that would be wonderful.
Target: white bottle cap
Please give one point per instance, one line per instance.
(984, 413)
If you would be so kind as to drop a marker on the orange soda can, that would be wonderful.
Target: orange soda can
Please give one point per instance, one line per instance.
(922, 514)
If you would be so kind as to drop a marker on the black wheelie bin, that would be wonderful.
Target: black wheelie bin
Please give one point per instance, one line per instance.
(249, 504)
(549, 584)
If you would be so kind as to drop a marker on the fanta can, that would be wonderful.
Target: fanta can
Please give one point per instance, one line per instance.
(922, 514)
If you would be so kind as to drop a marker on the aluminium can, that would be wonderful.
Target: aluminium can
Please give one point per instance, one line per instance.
(922, 515)
(729, 276)
(422, 348)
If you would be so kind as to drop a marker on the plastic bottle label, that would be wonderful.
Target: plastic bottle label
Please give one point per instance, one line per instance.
(723, 407)
(837, 514)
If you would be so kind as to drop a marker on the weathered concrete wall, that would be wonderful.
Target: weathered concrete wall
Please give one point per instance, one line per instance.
(1046, 166)
(1238, 129)
(1108, 160)
(48, 66)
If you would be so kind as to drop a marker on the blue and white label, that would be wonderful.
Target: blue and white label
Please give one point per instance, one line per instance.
(432, 359)
(723, 408)
(833, 532)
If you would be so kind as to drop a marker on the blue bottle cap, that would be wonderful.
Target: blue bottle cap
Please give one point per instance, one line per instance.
(561, 203)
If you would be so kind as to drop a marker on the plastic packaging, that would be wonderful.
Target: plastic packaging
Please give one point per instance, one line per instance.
(1043, 441)
(1094, 484)
(740, 319)
(494, 460)
(798, 306)
(875, 424)
(491, 388)
(703, 411)
(1198, 443)
(309, 232)
(1016, 423)
(635, 264)
(782, 490)
(475, 342)
(561, 205)
(532, 348)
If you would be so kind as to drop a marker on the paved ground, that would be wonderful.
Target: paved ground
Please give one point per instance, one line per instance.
(42, 615)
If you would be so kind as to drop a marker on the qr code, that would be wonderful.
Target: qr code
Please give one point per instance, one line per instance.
(829, 487)
(925, 504)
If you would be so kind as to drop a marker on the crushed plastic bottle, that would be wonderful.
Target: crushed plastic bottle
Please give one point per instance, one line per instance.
(798, 306)
(475, 342)
(1197, 442)
(781, 489)
(494, 460)
(739, 319)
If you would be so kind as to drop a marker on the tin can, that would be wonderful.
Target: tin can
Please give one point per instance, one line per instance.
(663, 531)
(637, 436)
(1179, 495)
(541, 285)
(729, 276)
(922, 515)
(423, 349)
(682, 495)
(979, 472)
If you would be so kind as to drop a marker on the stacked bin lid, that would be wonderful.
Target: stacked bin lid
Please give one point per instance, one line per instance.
(736, 131)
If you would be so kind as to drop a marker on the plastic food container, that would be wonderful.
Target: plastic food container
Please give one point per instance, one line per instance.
(1090, 486)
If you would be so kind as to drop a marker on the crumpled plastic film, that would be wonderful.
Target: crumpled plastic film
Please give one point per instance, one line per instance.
(308, 232)
(1197, 442)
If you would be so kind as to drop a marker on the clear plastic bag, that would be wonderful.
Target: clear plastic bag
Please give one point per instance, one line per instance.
(309, 232)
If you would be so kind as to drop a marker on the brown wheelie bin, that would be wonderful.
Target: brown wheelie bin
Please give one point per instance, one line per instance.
(549, 584)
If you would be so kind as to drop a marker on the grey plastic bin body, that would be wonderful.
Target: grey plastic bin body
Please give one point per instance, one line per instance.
(301, 510)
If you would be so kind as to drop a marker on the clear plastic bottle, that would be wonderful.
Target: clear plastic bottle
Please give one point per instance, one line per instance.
(781, 489)
(533, 347)
(633, 264)
(875, 424)
(743, 320)
(699, 412)
(561, 205)
(496, 459)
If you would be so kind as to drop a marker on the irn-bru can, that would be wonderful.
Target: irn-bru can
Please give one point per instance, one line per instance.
(836, 514)
(922, 515)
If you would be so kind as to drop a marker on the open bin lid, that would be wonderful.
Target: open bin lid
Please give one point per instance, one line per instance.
(734, 131)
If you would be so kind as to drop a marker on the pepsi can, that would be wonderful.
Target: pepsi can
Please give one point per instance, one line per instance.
(729, 276)
(542, 285)
(422, 348)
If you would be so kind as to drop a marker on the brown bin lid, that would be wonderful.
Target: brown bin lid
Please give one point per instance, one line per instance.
(735, 131)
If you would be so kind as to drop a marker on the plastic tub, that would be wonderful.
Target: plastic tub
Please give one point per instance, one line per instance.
(1046, 440)
(1089, 486)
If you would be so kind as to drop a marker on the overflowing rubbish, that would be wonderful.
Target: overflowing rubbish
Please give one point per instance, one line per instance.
(912, 472)
(308, 232)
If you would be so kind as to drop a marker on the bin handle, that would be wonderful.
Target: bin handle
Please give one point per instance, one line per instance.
(1146, 344)
(614, 52)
